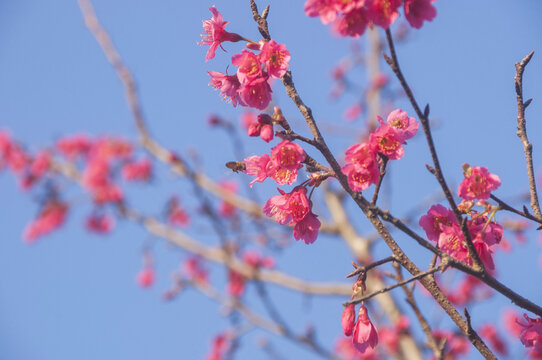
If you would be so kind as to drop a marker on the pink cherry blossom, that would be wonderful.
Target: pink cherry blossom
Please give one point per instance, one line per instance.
(276, 58)
(74, 146)
(478, 183)
(145, 278)
(257, 166)
(489, 332)
(352, 23)
(100, 224)
(262, 127)
(194, 270)
(531, 333)
(436, 217)
(387, 141)
(227, 209)
(325, 9)
(365, 335)
(307, 228)
(228, 85)
(405, 126)
(236, 283)
(216, 34)
(416, 11)
(348, 319)
(360, 177)
(51, 216)
(285, 161)
(383, 12)
(249, 67)
(277, 207)
(256, 93)
(137, 170)
(353, 112)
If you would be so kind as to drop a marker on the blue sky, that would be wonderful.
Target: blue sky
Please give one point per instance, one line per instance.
(73, 295)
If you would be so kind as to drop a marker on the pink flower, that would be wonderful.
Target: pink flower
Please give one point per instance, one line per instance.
(137, 170)
(51, 216)
(40, 164)
(360, 177)
(236, 283)
(307, 228)
(383, 12)
(325, 9)
(436, 217)
(451, 241)
(256, 93)
(348, 319)
(478, 183)
(100, 224)
(489, 332)
(74, 146)
(249, 66)
(257, 166)
(216, 34)
(352, 23)
(387, 141)
(228, 85)
(219, 347)
(531, 334)
(194, 270)
(285, 161)
(145, 277)
(276, 58)
(277, 207)
(405, 126)
(379, 80)
(254, 259)
(365, 334)
(510, 319)
(456, 345)
(416, 11)
(263, 128)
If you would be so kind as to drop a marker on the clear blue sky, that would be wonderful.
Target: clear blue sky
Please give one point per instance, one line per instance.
(72, 295)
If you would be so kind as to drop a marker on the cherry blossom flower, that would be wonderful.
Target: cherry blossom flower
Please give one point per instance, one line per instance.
(307, 228)
(74, 146)
(236, 283)
(276, 58)
(145, 278)
(51, 216)
(416, 11)
(216, 34)
(404, 125)
(219, 347)
(478, 183)
(254, 259)
(325, 9)
(489, 332)
(262, 127)
(137, 170)
(360, 177)
(456, 345)
(100, 224)
(257, 166)
(228, 85)
(353, 112)
(365, 335)
(194, 270)
(348, 319)
(256, 93)
(510, 320)
(285, 161)
(387, 141)
(383, 12)
(436, 217)
(531, 334)
(352, 23)
(249, 67)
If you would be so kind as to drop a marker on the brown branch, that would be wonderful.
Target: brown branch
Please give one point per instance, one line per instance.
(522, 132)
(507, 207)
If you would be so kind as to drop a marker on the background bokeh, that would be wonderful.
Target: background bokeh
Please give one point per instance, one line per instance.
(72, 295)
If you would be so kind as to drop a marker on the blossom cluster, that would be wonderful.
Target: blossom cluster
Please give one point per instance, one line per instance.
(387, 140)
(249, 86)
(442, 227)
(352, 17)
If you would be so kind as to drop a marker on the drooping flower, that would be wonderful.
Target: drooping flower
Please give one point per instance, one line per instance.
(478, 183)
(74, 146)
(276, 58)
(219, 347)
(360, 177)
(348, 319)
(256, 93)
(236, 283)
(262, 127)
(145, 278)
(216, 34)
(228, 86)
(365, 335)
(416, 11)
(307, 228)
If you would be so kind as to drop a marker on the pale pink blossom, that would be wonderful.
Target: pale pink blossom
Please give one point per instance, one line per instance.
(478, 183)
(276, 58)
(490, 334)
(510, 319)
(348, 319)
(353, 112)
(416, 11)
(277, 207)
(216, 34)
(379, 80)
(257, 166)
(228, 86)
(365, 335)
(405, 126)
